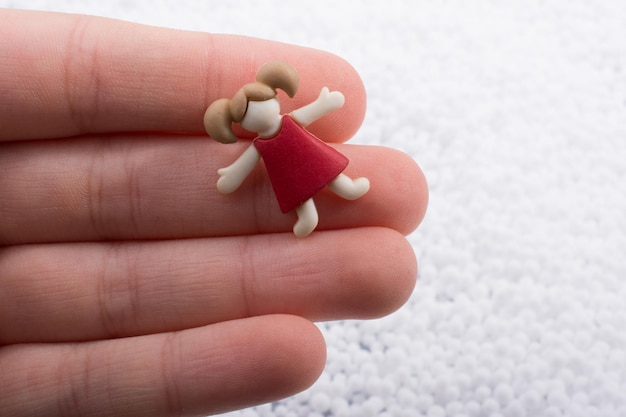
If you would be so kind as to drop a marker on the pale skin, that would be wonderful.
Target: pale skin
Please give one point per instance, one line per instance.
(264, 118)
(128, 287)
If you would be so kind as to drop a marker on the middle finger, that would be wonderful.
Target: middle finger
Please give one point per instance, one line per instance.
(160, 187)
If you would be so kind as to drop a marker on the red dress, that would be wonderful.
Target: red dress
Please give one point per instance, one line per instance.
(299, 164)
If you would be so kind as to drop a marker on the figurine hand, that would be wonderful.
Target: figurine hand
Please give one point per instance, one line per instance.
(332, 99)
(128, 284)
(228, 181)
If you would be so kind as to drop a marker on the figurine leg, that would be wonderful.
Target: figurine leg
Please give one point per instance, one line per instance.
(307, 219)
(348, 188)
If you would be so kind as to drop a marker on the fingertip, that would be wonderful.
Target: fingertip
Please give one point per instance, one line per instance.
(338, 75)
(419, 198)
(404, 275)
(377, 292)
(410, 194)
(398, 195)
(276, 356)
(298, 347)
(308, 360)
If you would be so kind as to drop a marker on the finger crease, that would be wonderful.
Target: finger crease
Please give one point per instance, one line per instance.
(247, 277)
(81, 64)
(119, 290)
(95, 195)
(74, 385)
(171, 360)
(134, 197)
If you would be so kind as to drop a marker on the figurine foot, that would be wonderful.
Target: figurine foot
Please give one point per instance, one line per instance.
(307, 219)
(346, 187)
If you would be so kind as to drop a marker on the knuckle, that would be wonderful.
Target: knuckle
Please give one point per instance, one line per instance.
(119, 291)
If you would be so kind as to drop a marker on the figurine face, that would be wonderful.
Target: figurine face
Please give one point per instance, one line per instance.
(262, 117)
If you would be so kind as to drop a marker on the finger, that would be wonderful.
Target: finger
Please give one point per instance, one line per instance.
(155, 188)
(107, 290)
(194, 372)
(65, 75)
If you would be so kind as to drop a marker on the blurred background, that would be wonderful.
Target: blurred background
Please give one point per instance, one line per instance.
(516, 111)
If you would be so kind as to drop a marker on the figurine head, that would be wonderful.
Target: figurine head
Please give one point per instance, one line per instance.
(222, 113)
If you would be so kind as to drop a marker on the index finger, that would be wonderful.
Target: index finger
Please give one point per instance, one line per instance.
(66, 75)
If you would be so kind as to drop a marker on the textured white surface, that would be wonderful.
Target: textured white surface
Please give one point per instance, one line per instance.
(517, 113)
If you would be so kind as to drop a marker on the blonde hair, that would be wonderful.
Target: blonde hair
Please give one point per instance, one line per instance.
(222, 113)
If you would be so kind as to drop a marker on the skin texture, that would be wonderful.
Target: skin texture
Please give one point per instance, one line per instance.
(128, 284)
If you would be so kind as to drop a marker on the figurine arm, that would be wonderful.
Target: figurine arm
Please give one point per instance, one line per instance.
(327, 102)
(233, 175)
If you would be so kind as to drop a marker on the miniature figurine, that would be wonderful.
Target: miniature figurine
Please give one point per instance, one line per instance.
(299, 164)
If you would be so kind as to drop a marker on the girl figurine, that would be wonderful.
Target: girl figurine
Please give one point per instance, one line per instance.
(299, 164)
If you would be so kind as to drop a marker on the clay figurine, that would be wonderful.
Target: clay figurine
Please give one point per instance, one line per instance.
(299, 164)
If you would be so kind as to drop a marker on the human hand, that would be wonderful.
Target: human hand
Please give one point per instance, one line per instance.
(128, 284)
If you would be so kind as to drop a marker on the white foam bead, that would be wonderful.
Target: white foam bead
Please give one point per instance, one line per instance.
(502, 374)
(469, 348)
(376, 385)
(503, 393)
(369, 369)
(552, 411)
(537, 368)
(437, 366)
(532, 400)
(457, 327)
(576, 410)
(608, 409)
(281, 410)
(340, 407)
(535, 331)
(598, 395)
(436, 411)
(472, 409)
(395, 356)
(338, 384)
(404, 376)
(372, 406)
(451, 393)
(454, 408)
(406, 397)
(461, 380)
(424, 402)
(495, 327)
(249, 412)
(482, 393)
(320, 402)
(481, 377)
(581, 398)
(489, 406)
(396, 410)
(355, 382)
(514, 409)
(426, 381)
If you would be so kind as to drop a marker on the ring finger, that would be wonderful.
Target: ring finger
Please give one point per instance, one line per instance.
(103, 290)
